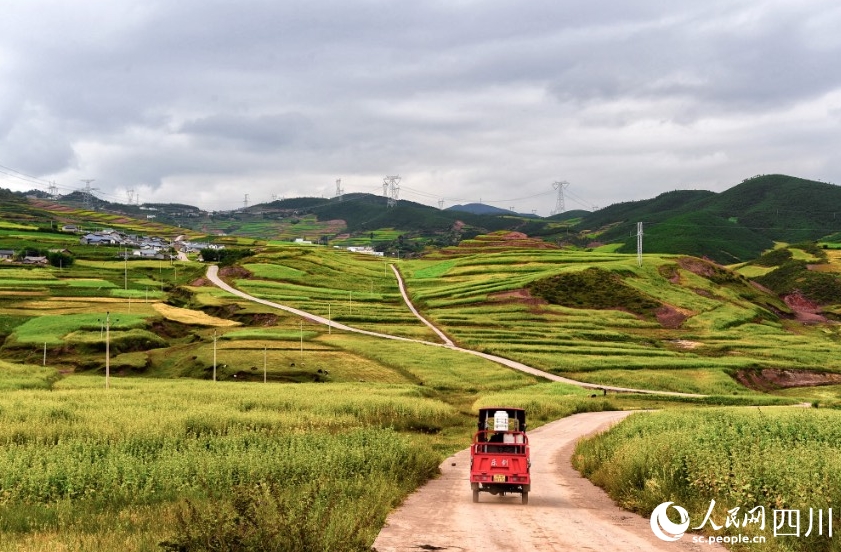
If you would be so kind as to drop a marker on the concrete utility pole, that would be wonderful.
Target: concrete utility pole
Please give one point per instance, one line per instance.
(214, 355)
(107, 347)
(639, 243)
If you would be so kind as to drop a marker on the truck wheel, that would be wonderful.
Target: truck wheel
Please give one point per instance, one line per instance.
(475, 495)
(525, 497)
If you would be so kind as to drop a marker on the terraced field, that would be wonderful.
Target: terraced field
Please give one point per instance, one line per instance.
(725, 325)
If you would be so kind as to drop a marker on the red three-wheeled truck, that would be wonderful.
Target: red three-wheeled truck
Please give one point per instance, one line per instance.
(499, 455)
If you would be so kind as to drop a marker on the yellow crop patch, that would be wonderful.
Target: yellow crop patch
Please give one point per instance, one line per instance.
(187, 316)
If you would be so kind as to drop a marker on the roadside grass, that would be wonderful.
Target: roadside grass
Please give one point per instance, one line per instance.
(163, 463)
(774, 458)
(436, 368)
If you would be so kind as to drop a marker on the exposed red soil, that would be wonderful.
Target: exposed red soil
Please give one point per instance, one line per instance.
(264, 319)
(770, 379)
(804, 310)
(199, 282)
(670, 317)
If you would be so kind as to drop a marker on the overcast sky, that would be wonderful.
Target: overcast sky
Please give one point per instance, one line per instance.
(204, 101)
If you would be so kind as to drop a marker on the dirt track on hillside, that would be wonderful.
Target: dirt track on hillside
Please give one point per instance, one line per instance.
(565, 511)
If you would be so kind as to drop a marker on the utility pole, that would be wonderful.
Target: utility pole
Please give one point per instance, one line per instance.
(214, 355)
(107, 346)
(329, 320)
(639, 244)
(265, 377)
(302, 340)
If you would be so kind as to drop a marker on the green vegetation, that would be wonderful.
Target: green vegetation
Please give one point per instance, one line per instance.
(153, 460)
(736, 225)
(770, 457)
(593, 288)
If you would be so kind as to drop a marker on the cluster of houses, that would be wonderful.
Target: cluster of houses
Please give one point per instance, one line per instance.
(145, 247)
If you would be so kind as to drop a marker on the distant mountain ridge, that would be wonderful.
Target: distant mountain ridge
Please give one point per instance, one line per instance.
(732, 226)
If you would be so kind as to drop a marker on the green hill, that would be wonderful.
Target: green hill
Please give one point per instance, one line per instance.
(732, 226)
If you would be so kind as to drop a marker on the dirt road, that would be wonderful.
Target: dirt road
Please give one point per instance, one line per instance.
(565, 511)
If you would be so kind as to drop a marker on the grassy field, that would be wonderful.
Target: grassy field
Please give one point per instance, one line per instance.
(354, 289)
(726, 325)
(779, 459)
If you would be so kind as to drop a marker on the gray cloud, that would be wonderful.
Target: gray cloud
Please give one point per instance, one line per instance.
(465, 99)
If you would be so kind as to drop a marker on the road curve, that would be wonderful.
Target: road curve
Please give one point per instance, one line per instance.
(213, 276)
(565, 511)
(418, 315)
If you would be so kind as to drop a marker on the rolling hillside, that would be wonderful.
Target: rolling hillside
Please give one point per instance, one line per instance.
(732, 226)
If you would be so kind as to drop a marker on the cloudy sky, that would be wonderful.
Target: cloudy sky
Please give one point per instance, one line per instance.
(204, 101)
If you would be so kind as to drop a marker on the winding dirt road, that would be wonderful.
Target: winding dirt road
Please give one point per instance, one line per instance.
(565, 511)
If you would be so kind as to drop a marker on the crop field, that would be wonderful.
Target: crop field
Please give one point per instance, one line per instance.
(482, 302)
(288, 229)
(354, 289)
(151, 460)
(777, 458)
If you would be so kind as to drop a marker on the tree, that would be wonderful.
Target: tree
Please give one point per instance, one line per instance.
(59, 259)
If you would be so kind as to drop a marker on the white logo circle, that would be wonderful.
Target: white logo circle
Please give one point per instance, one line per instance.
(663, 527)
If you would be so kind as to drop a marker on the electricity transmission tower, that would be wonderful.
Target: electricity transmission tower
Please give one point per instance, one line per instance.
(245, 203)
(87, 191)
(339, 190)
(440, 203)
(559, 204)
(391, 189)
(53, 191)
(130, 195)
